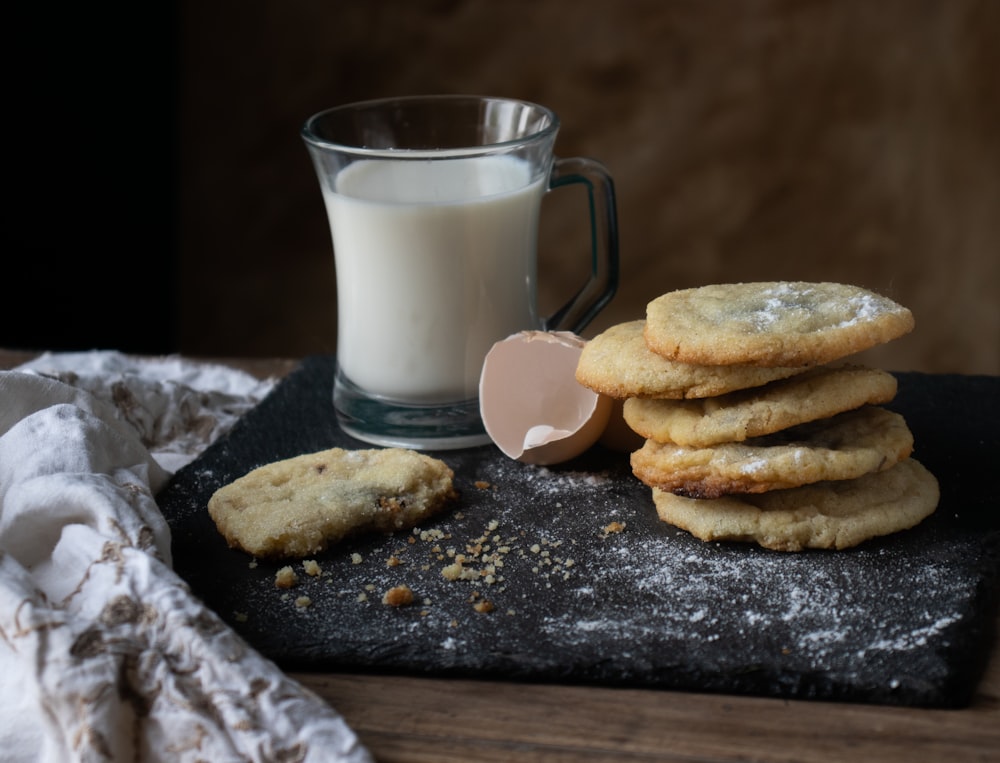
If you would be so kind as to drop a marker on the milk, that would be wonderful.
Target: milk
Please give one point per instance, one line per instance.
(435, 262)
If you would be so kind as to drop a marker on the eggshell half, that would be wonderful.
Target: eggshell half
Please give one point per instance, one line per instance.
(532, 406)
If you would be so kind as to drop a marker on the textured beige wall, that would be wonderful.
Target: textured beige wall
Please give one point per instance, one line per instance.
(839, 140)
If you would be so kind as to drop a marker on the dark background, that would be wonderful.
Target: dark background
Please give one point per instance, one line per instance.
(90, 242)
(162, 200)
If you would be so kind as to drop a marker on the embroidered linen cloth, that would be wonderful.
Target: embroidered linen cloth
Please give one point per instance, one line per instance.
(104, 652)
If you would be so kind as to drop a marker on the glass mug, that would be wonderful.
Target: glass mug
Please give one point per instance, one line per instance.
(433, 205)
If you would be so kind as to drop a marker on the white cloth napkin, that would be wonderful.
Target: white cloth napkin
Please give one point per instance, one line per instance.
(105, 655)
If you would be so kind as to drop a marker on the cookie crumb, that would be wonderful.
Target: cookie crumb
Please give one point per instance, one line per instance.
(302, 602)
(312, 568)
(398, 596)
(285, 577)
(613, 528)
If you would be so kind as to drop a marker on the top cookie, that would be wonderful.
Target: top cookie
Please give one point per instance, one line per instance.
(617, 363)
(769, 324)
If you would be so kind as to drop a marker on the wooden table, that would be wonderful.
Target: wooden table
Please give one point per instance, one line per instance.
(431, 720)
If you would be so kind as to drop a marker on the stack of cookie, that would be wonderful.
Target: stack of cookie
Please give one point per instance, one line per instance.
(755, 427)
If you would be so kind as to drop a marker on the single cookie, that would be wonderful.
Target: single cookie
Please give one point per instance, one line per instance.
(817, 394)
(619, 364)
(832, 515)
(839, 448)
(298, 506)
(778, 323)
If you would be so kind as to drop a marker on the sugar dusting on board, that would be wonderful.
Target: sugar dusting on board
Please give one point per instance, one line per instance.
(589, 574)
(546, 480)
(825, 622)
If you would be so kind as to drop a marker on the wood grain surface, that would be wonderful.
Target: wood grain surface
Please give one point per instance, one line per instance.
(423, 720)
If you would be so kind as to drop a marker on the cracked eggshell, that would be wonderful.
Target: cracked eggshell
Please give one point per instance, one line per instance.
(532, 406)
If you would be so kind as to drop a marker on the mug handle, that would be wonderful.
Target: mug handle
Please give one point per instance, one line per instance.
(603, 282)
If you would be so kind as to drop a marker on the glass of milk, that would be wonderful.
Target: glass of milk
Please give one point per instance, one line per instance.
(433, 204)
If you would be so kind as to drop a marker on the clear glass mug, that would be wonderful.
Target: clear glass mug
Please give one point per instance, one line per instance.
(433, 205)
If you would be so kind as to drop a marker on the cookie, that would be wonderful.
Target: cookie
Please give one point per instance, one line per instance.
(299, 506)
(734, 417)
(843, 447)
(826, 515)
(618, 363)
(771, 324)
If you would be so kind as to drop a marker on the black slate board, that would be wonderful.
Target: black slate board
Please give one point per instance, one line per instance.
(905, 620)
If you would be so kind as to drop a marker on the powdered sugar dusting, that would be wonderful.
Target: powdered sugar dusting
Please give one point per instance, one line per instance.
(577, 578)
(778, 300)
(802, 308)
(775, 604)
(549, 481)
(581, 579)
(862, 308)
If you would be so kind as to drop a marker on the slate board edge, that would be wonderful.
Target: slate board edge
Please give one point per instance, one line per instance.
(818, 687)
